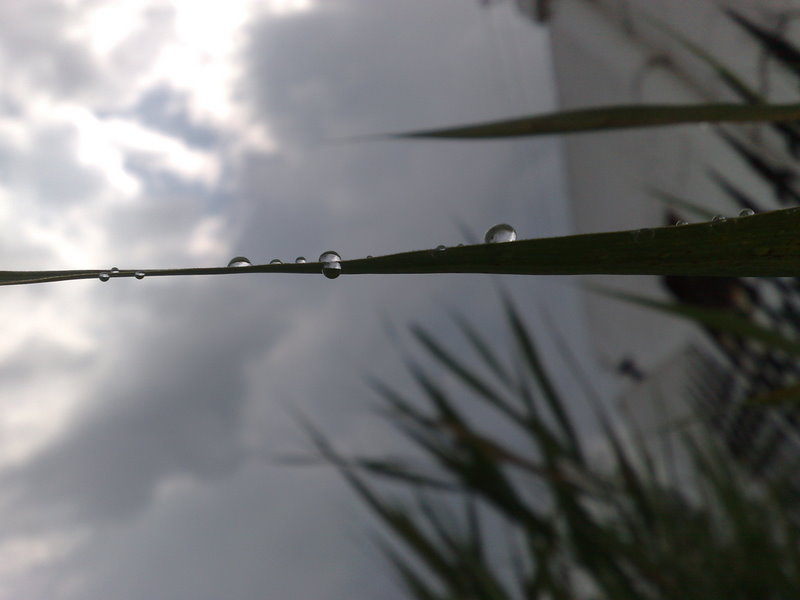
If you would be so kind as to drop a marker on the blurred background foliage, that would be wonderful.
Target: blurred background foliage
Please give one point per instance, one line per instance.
(525, 502)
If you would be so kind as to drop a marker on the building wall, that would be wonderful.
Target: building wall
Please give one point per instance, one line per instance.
(608, 52)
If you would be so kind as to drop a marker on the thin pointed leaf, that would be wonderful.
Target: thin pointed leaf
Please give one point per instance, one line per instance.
(466, 375)
(531, 356)
(483, 349)
(763, 245)
(717, 319)
(613, 117)
(414, 582)
(776, 46)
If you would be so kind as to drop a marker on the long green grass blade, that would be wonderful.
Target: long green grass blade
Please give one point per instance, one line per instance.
(613, 117)
(763, 245)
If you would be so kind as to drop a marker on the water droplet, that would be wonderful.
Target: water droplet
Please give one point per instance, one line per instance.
(240, 261)
(139, 275)
(329, 256)
(747, 212)
(460, 245)
(330, 264)
(114, 270)
(332, 269)
(681, 222)
(369, 255)
(104, 276)
(300, 259)
(441, 248)
(718, 219)
(502, 232)
(276, 261)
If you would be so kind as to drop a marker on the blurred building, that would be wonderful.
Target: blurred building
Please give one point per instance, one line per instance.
(609, 52)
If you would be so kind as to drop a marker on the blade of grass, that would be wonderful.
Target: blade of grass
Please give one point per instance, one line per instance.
(717, 319)
(776, 46)
(530, 353)
(610, 118)
(763, 245)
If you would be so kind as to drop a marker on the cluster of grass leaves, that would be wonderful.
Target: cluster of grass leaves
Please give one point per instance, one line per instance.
(630, 526)
(636, 524)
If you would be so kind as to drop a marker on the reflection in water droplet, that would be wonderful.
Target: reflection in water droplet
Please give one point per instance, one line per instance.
(681, 222)
(104, 276)
(276, 261)
(718, 219)
(503, 232)
(114, 270)
(240, 261)
(300, 259)
(747, 212)
(332, 269)
(330, 264)
(441, 247)
(329, 256)
(139, 275)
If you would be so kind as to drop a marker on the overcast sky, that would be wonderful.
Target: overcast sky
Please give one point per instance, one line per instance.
(139, 418)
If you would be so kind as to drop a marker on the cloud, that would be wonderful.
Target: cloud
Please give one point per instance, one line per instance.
(181, 134)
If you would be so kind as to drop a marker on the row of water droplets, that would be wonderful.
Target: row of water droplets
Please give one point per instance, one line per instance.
(331, 261)
(745, 212)
(114, 272)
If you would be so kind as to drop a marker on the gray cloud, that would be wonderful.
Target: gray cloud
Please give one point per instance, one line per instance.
(163, 467)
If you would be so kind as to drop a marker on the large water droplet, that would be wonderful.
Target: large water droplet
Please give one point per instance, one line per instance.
(747, 212)
(114, 270)
(240, 261)
(329, 256)
(503, 232)
(300, 259)
(330, 264)
(332, 269)
(139, 275)
(276, 261)
(104, 276)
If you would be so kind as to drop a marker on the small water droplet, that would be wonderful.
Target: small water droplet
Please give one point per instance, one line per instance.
(114, 270)
(747, 212)
(441, 248)
(240, 261)
(369, 255)
(276, 261)
(502, 232)
(104, 276)
(459, 246)
(300, 259)
(718, 219)
(681, 222)
(139, 275)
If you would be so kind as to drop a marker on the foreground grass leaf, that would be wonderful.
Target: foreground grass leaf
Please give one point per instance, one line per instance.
(763, 245)
(721, 320)
(612, 117)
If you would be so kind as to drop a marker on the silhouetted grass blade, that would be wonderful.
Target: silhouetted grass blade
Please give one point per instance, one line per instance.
(721, 320)
(612, 117)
